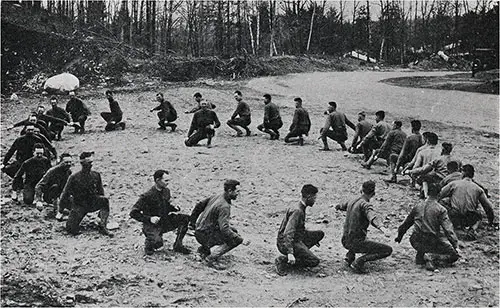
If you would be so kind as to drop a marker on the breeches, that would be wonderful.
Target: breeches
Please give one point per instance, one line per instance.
(154, 232)
(301, 249)
(78, 212)
(243, 122)
(432, 244)
(109, 117)
(199, 135)
(336, 136)
(208, 239)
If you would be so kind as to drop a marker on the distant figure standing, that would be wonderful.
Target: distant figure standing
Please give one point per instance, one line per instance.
(83, 193)
(429, 218)
(301, 124)
(294, 241)
(32, 170)
(79, 112)
(57, 112)
(158, 215)
(476, 66)
(113, 118)
(213, 230)
(272, 119)
(241, 116)
(360, 215)
(337, 121)
(203, 126)
(167, 113)
(199, 99)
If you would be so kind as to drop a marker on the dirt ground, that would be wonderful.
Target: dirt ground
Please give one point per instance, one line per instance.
(42, 266)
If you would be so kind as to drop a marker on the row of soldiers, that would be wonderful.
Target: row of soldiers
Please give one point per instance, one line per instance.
(82, 192)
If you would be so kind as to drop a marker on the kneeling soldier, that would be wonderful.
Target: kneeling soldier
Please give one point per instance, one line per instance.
(294, 241)
(360, 215)
(428, 218)
(212, 228)
(154, 210)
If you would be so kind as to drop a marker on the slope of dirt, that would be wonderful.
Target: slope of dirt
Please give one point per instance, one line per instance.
(42, 266)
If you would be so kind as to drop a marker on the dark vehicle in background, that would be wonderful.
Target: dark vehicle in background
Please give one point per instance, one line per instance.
(484, 59)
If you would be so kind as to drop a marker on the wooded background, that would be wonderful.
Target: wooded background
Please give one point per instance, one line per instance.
(394, 32)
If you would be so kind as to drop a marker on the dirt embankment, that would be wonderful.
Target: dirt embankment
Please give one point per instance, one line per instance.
(483, 82)
(36, 45)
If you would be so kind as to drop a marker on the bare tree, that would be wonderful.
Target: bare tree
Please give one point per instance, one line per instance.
(258, 3)
(272, 22)
(368, 30)
(249, 20)
(355, 5)
(311, 27)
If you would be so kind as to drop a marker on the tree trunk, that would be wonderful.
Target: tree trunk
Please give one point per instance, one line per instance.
(311, 27)
(381, 49)
(403, 33)
(238, 24)
(153, 27)
(201, 34)
(272, 15)
(252, 41)
(341, 17)
(368, 31)
(228, 30)
(258, 27)
(219, 29)
(140, 26)
(148, 25)
(354, 10)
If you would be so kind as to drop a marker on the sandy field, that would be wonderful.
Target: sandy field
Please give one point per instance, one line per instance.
(41, 265)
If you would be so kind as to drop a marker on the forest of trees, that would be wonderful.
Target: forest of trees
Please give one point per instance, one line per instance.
(393, 31)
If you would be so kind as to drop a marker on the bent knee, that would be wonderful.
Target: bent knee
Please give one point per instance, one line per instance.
(237, 241)
(321, 235)
(313, 261)
(387, 251)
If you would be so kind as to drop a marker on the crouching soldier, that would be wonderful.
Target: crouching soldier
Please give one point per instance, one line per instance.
(360, 215)
(32, 170)
(203, 126)
(294, 241)
(83, 193)
(212, 228)
(428, 218)
(166, 113)
(157, 215)
(50, 187)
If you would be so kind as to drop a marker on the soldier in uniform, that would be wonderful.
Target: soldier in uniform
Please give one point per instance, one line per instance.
(166, 113)
(203, 126)
(301, 124)
(83, 193)
(158, 215)
(241, 116)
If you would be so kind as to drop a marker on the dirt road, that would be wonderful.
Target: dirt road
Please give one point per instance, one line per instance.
(43, 265)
